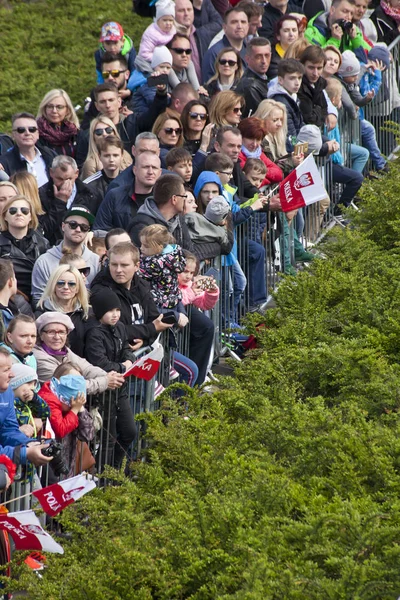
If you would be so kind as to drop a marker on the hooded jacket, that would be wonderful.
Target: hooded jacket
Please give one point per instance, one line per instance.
(138, 309)
(148, 214)
(295, 119)
(24, 257)
(107, 346)
(46, 263)
(207, 237)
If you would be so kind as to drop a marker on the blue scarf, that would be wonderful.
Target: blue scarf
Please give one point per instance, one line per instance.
(255, 154)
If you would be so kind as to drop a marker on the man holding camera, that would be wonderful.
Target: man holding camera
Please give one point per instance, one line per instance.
(335, 28)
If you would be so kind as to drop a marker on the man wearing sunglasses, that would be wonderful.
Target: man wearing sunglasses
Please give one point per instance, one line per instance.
(254, 83)
(63, 191)
(182, 67)
(25, 155)
(236, 29)
(75, 228)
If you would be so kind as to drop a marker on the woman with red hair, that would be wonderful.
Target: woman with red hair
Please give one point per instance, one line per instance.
(253, 133)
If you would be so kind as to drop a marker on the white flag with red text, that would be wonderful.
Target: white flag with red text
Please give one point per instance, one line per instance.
(27, 532)
(302, 187)
(54, 498)
(147, 365)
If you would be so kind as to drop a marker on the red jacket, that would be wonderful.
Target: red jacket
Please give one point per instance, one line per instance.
(274, 173)
(62, 422)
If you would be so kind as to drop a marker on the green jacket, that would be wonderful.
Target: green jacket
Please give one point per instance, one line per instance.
(318, 33)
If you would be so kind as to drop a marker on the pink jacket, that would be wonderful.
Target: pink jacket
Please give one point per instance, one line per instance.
(152, 37)
(205, 301)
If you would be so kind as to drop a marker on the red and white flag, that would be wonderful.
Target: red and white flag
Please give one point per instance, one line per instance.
(302, 187)
(27, 532)
(54, 498)
(147, 366)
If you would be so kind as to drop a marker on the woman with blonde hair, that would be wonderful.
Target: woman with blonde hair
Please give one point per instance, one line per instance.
(7, 190)
(26, 185)
(169, 130)
(66, 293)
(19, 239)
(226, 109)
(296, 49)
(100, 127)
(57, 122)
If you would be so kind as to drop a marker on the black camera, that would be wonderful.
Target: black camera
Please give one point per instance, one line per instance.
(53, 449)
(345, 25)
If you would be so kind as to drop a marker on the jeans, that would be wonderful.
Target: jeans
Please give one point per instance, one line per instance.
(359, 157)
(351, 179)
(186, 368)
(299, 222)
(368, 138)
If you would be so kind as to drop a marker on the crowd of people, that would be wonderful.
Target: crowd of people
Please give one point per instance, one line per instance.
(107, 220)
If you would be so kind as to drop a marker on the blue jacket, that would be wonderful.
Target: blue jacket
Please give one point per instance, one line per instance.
(117, 208)
(10, 435)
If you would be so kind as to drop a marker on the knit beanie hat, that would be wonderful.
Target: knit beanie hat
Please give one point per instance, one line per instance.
(350, 64)
(22, 374)
(312, 135)
(380, 53)
(217, 209)
(68, 387)
(104, 301)
(165, 8)
(161, 54)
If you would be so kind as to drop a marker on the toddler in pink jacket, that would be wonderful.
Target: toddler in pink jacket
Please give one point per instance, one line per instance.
(203, 292)
(161, 31)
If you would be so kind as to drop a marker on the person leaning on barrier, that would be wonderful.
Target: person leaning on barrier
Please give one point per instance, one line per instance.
(51, 351)
(13, 443)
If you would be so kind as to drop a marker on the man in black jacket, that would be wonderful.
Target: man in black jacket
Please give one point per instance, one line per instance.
(63, 191)
(254, 83)
(166, 208)
(25, 155)
(273, 11)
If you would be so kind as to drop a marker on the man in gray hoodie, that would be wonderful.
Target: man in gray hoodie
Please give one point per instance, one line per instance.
(75, 227)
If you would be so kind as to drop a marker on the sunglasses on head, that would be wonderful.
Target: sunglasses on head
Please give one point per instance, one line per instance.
(225, 61)
(195, 115)
(75, 225)
(32, 129)
(106, 130)
(13, 210)
(182, 50)
(112, 73)
(85, 271)
(61, 283)
(171, 130)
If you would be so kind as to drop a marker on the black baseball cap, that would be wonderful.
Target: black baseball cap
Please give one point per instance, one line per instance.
(80, 211)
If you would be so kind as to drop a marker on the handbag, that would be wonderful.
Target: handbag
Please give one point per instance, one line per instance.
(84, 460)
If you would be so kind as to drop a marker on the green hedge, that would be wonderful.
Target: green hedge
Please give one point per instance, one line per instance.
(50, 44)
(284, 483)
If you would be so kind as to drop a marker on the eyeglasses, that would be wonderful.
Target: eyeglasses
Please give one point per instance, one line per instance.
(74, 225)
(237, 110)
(229, 173)
(23, 129)
(224, 61)
(61, 283)
(194, 115)
(106, 130)
(171, 130)
(85, 271)
(182, 50)
(113, 73)
(13, 210)
(181, 195)
(57, 107)
(54, 332)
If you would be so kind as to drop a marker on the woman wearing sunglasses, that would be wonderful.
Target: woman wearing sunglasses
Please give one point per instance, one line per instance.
(66, 293)
(20, 240)
(100, 127)
(228, 72)
(57, 122)
(168, 128)
(196, 131)
(226, 109)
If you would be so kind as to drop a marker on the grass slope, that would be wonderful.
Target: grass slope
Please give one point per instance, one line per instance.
(50, 44)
